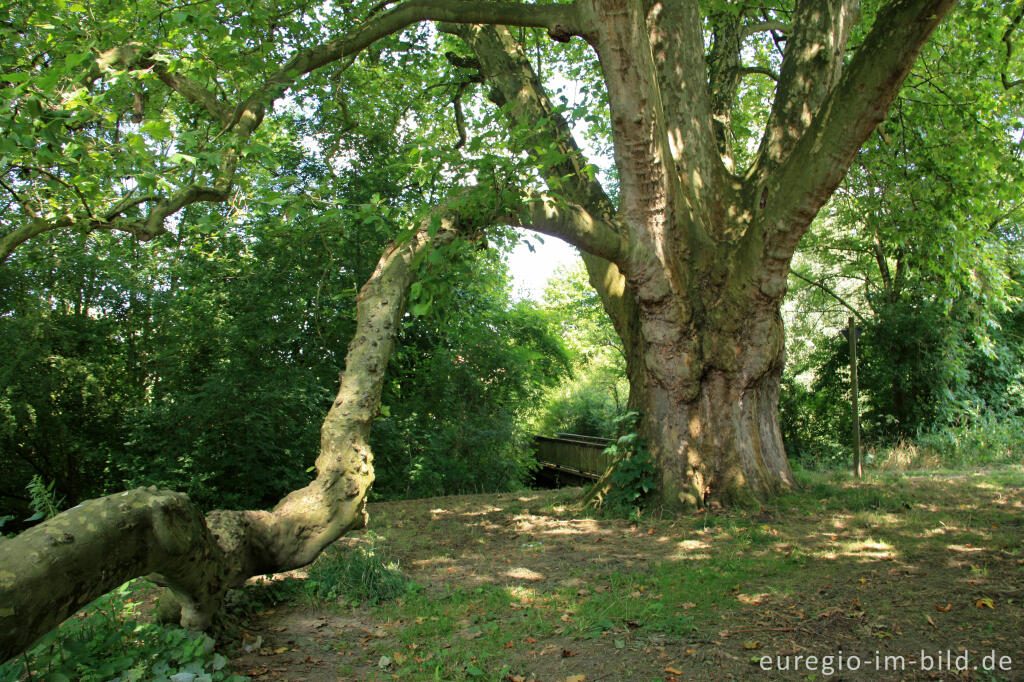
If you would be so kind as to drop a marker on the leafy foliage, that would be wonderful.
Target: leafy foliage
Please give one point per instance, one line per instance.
(109, 643)
(42, 499)
(923, 242)
(633, 475)
(462, 380)
(588, 399)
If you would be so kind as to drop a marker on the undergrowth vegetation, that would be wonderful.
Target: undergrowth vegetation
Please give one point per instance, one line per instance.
(365, 574)
(108, 641)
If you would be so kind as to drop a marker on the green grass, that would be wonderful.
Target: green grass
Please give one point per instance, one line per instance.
(708, 576)
(365, 574)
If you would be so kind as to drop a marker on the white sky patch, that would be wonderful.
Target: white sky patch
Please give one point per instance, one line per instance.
(531, 270)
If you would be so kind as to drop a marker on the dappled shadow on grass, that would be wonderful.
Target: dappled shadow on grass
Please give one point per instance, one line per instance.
(524, 584)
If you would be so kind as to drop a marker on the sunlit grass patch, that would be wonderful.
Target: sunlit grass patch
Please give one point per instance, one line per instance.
(363, 574)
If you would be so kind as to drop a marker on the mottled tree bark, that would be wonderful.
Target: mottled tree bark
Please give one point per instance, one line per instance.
(696, 286)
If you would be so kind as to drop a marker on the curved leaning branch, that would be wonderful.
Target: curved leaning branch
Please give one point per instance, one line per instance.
(53, 569)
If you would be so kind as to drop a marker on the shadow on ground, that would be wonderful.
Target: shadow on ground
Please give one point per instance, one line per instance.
(523, 586)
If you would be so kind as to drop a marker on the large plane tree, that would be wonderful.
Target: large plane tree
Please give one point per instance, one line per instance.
(129, 118)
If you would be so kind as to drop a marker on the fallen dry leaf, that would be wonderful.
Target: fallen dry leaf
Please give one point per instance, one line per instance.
(984, 603)
(752, 644)
(944, 609)
(930, 621)
(568, 654)
(575, 678)
(673, 671)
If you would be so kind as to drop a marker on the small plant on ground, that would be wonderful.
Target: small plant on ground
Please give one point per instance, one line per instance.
(623, 489)
(43, 499)
(362, 574)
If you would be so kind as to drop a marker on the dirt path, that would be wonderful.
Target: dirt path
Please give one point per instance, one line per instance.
(521, 587)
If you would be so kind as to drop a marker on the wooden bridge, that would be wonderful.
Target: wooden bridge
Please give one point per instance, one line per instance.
(571, 459)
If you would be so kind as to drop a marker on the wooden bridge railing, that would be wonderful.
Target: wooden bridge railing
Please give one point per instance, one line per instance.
(573, 454)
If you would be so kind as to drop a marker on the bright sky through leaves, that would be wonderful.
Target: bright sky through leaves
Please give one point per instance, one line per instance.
(530, 270)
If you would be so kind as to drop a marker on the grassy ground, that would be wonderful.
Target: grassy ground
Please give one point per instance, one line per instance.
(526, 587)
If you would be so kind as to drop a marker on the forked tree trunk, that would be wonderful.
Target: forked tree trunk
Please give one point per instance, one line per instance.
(53, 569)
(691, 262)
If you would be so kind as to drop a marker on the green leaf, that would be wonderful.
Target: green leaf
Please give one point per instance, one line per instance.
(73, 60)
(178, 158)
(158, 129)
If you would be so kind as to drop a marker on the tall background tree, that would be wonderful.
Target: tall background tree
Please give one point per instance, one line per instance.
(922, 245)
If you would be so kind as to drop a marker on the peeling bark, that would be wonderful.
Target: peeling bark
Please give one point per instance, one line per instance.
(695, 292)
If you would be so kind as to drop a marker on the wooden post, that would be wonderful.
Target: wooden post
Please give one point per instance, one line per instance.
(858, 470)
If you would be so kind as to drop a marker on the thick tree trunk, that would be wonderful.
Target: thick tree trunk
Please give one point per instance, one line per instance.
(717, 436)
(55, 568)
(695, 284)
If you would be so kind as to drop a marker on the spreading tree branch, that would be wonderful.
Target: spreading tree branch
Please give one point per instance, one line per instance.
(766, 25)
(572, 223)
(1008, 41)
(513, 81)
(830, 292)
(811, 67)
(789, 199)
(750, 70)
